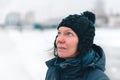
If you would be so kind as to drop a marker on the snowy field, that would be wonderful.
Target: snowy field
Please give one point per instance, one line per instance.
(23, 54)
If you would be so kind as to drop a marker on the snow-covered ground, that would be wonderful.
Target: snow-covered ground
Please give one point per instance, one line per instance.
(23, 54)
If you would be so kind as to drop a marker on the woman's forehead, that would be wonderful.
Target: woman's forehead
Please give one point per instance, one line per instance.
(64, 28)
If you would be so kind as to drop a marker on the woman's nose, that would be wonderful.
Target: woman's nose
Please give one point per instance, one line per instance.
(60, 39)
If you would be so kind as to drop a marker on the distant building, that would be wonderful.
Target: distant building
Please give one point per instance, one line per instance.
(103, 19)
(29, 18)
(18, 21)
(13, 19)
(51, 23)
(114, 20)
(101, 16)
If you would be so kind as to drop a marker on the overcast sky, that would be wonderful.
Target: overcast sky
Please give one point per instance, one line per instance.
(45, 9)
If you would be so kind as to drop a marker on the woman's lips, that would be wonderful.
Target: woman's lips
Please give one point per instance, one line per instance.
(61, 48)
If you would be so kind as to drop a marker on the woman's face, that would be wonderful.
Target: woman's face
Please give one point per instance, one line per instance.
(66, 42)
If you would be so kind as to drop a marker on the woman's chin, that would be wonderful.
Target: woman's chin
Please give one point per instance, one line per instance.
(61, 55)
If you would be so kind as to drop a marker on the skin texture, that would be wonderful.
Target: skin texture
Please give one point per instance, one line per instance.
(67, 42)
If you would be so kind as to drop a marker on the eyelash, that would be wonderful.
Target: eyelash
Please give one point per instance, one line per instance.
(69, 34)
(58, 33)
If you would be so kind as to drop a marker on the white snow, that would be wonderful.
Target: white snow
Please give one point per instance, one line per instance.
(23, 54)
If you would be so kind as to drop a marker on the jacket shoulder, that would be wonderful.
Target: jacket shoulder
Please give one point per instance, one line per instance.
(97, 74)
(50, 62)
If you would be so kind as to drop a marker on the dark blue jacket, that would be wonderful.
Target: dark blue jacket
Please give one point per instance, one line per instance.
(71, 69)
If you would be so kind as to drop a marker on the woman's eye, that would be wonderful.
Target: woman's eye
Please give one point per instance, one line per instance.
(58, 33)
(69, 34)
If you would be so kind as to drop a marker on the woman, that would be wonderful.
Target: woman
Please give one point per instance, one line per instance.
(76, 57)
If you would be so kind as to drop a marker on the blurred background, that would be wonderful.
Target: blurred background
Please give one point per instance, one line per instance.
(28, 29)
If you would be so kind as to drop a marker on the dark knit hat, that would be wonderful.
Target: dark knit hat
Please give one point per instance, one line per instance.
(83, 26)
